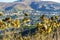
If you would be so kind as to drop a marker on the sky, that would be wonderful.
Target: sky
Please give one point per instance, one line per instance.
(53, 0)
(29, 0)
(7, 0)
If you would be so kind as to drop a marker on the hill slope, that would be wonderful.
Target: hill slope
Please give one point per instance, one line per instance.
(45, 6)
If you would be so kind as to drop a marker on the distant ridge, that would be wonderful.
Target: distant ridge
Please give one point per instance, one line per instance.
(38, 6)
